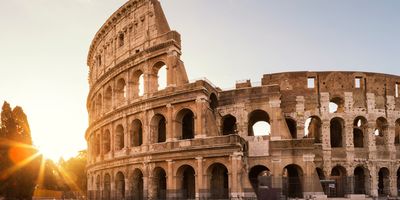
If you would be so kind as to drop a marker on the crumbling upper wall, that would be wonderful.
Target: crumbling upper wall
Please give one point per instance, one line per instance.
(336, 84)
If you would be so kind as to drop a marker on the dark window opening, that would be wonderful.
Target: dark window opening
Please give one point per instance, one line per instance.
(137, 133)
(336, 132)
(229, 125)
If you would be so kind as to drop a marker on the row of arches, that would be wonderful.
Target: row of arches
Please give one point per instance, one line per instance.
(133, 186)
(116, 94)
(184, 126)
(313, 128)
(337, 184)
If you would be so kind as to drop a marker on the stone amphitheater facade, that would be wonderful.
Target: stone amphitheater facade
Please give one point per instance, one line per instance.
(192, 140)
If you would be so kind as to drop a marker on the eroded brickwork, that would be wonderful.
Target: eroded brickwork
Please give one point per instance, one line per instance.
(192, 140)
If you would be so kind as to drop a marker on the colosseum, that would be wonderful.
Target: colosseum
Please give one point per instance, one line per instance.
(326, 134)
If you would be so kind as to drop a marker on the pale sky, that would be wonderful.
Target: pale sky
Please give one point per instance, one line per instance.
(44, 44)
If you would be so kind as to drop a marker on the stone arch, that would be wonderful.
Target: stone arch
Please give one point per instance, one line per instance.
(384, 182)
(213, 102)
(260, 175)
(120, 91)
(339, 175)
(138, 83)
(160, 71)
(108, 99)
(136, 133)
(292, 184)
(106, 141)
(381, 130)
(159, 184)
(137, 185)
(312, 128)
(185, 124)
(397, 132)
(360, 138)
(361, 180)
(98, 189)
(218, 181)
(120, 185)
(229, 126)
(107, 187)
(119, 138)
(185, 182)
(258, 116)
(292, 126)
(158, 129)
(337, 132)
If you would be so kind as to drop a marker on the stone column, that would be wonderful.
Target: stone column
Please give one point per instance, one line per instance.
(374, 181)
(200, 118)
(171, 190)
(393, 183)
(171, 135)
(235, 182)
(199, 179)
(146, 181)
(172, 61)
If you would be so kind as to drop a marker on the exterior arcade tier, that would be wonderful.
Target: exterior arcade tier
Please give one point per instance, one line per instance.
(332, 134)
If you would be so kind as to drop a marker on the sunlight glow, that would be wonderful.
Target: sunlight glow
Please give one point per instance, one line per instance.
(261, 128)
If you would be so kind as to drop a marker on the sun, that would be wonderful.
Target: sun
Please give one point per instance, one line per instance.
(55, 154)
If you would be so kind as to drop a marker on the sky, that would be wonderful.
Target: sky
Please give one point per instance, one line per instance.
(44, 44)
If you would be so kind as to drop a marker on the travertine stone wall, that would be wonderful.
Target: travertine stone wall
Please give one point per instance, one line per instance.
(192, 140)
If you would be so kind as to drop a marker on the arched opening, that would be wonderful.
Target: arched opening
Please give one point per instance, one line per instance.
(260, 178)
(337, 132)
(383, 182)
(98, 190)
(336, 105)
(292, 181)
(361, 180)
(120, 91)
(99, 105)
(292, 126)
(186, 182)
(397, 133)
(107, 187)
(381, 131)
(213, 102)
(108, 99)
(185, 124)
(119, 138)
(259, 123)
(312, 128)
(359, 127)
(138, 83)
(158, 129)
(160, 69)
(159, 184)
(121, 40)
(137, 133)
(219, 185)
(229, 125)
(137, 185)
(107, 142)
(120, 185)
(339, 175)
